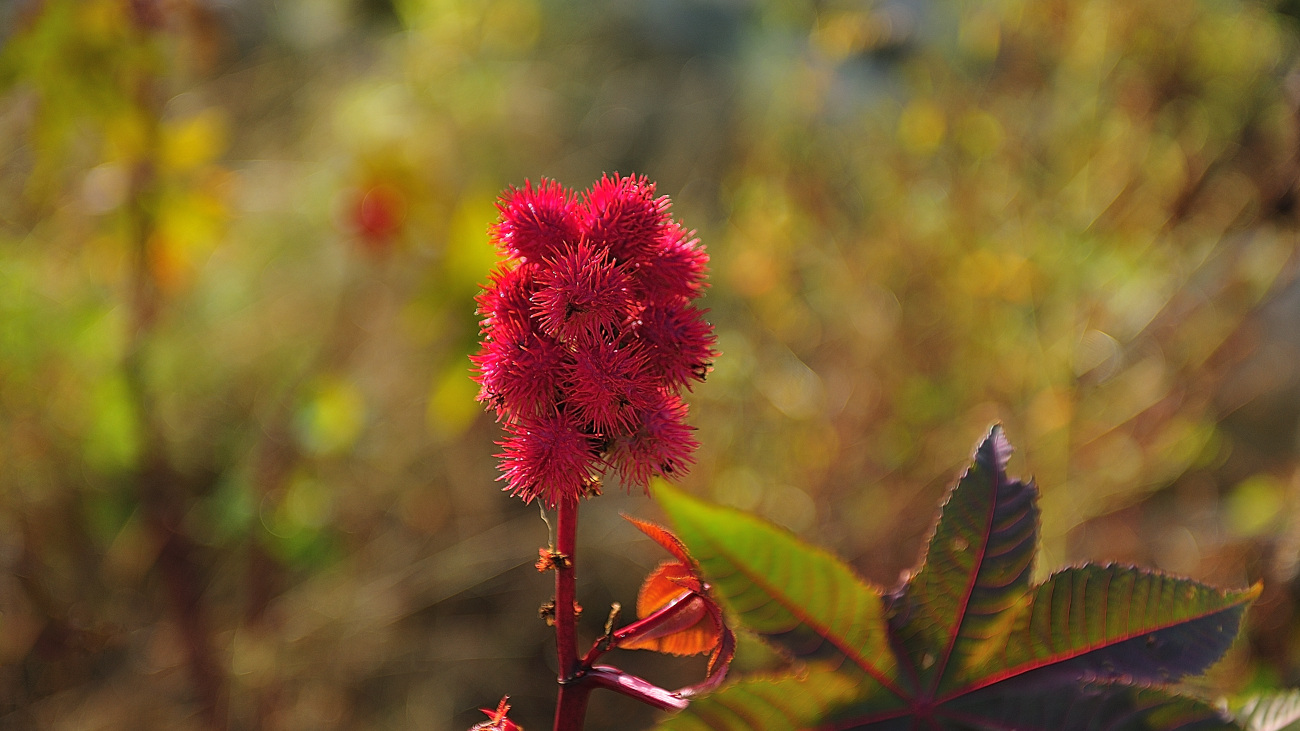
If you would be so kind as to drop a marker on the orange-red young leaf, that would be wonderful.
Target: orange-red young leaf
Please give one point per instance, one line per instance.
(678, 614)
(691, 630)
(668, 581)
(663, 537)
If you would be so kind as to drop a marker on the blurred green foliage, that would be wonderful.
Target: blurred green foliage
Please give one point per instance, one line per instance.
(245, 483)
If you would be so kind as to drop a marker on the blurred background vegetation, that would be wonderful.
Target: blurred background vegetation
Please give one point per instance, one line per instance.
(243, 480)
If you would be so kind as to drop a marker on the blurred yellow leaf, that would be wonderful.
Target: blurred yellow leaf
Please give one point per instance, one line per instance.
(921, 127)
(126, 136)
(171, 263)
(1051, 409)
(452, 407)
(307, 503)
(1254, 505)
(980, 133)
(333, 419)
(470, 255)
(102, 19)
(113, 438)
(842, 34)
(980, 34)
(194, 141)
(511, 25)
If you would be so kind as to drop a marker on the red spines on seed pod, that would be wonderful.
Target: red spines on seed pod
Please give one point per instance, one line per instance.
(536, 222)
(588, 335)
(497, 720)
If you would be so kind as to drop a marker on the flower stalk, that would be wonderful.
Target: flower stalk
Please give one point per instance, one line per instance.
(566, 544)
(589, 334)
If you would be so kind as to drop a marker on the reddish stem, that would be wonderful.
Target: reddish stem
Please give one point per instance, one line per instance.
(578, 679)
(571, 704)
(604, 676)
(566, 543)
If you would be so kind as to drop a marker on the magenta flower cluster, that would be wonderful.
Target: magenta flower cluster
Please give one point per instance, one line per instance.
(589, 334)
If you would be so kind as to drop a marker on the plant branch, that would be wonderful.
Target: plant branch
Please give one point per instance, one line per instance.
(604, 676)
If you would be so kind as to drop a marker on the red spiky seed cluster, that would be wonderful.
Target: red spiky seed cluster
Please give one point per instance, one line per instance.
(589, 334)
(497, 719)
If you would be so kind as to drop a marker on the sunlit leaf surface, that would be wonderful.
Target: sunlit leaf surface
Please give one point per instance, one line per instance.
(968, 641)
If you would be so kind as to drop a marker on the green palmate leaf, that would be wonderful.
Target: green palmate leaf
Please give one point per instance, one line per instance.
(968, 642)
(800, 597)
(1083, 707)
(977, 568)
(1278, 711)
(788, 702)
(1109, 622)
